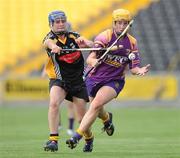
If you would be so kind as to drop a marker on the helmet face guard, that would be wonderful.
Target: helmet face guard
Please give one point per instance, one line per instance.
(57, 15)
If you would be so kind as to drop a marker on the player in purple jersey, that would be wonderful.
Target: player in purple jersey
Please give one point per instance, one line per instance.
(108, 79)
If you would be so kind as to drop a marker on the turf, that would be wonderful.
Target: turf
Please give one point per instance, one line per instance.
(140, 133)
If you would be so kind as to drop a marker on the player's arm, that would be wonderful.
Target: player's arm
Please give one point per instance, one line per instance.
(49, 43)
(83, 42)
(141, 71)
(100, 41)
(135, 61)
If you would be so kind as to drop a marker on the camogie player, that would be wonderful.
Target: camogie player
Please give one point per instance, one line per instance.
(108, 79)
(65, 71)
(70, 107)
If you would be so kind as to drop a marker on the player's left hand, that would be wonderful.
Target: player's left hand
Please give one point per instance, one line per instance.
(143, 70)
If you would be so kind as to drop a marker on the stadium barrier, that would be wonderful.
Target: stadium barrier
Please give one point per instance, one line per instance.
(155, 87)
(163, 87)
(25, 89)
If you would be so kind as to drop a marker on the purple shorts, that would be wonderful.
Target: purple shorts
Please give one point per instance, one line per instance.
(93, 86)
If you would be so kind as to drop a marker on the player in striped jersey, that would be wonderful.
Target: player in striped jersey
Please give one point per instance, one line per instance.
(65, 71)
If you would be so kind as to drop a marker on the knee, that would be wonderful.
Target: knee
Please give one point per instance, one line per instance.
(96, 106)
(54, 105)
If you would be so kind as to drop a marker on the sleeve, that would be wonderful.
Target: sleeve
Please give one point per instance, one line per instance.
(73, 34)
(134, 49)
(103, 39)
(48, 36)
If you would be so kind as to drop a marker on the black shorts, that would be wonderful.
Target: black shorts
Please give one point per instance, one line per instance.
(75, 90)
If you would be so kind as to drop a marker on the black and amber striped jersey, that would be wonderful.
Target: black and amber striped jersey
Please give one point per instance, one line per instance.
(68, 65)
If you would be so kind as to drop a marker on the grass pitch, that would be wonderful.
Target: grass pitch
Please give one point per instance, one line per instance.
(146, 132)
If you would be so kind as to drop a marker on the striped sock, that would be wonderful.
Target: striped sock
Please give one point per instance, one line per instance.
(78, 134)
(105, 118)
(54, 137)
(88, 137)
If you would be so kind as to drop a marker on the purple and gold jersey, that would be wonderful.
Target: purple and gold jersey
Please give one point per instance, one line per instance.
(116, 62)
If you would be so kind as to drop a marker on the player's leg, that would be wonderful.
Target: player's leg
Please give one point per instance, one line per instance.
(71, 118)
(104, 95)
(57, 95)
(80, 110)
(80, 106)
(106, 118)
(89, 139)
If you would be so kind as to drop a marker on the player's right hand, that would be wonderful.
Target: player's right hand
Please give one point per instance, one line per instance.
(56, 49)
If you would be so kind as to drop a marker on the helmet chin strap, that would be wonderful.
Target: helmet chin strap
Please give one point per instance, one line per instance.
(118, 33)
(60, 33)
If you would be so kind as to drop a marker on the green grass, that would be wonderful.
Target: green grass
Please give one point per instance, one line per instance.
(140, 133)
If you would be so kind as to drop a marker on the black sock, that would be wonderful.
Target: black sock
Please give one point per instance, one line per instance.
(71, 123)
